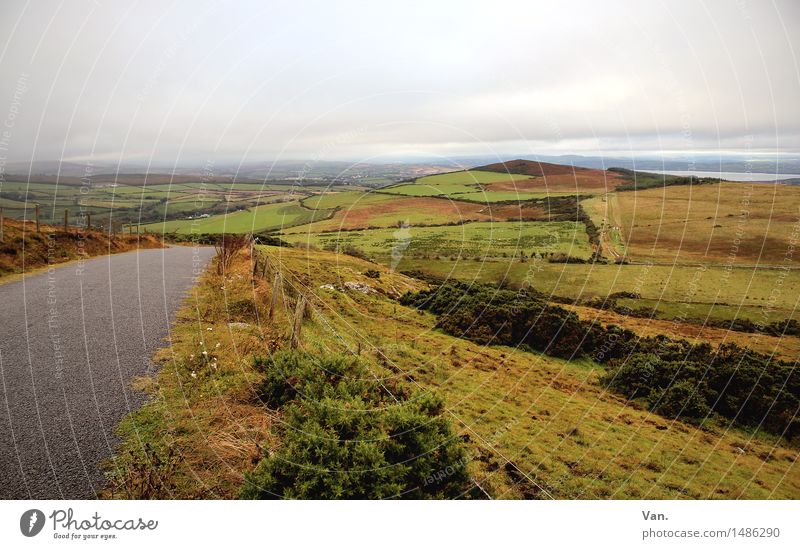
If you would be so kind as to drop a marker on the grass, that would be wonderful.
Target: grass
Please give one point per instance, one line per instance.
(23, 250)
(489, 196)
(260, 218)
(782, 348)
(135, 203)
(676, 291)
(535, 426)
(448, 184)
(480, 240)
(738, 223)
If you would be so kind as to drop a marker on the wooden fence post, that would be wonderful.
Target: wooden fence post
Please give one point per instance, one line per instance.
(89, 221)
(275, 289)
(299, 312)
(266, 267)
(66, 217)
(36, 207)
(1, 224)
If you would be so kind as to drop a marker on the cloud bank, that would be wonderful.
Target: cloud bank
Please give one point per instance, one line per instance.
(186, 81)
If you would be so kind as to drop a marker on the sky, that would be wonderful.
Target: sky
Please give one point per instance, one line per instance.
(187, 82)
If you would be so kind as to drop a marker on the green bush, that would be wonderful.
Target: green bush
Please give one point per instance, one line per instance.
(683, 400)
(345, 436)
(748, 388)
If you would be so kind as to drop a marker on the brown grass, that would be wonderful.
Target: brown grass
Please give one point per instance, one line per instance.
(785, 348)
(579, 183)
(737, 223)
(25, 250)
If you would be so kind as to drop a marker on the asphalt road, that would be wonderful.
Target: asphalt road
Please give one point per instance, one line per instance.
(71, 340)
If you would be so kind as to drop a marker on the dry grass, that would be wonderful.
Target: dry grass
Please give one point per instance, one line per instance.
(204, 420)
(741, 223)
(24, 250)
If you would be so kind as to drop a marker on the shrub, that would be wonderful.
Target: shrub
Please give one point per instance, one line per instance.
(345, 436)
(747, 388)
(683, 400)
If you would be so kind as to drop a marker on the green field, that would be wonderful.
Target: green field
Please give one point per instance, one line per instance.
(675, 291)
(340, 199)
(138, 203)
(448, 184)
(259, 218)
(477, 241)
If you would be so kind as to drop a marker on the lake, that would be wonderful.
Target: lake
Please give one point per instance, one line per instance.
(730, 176)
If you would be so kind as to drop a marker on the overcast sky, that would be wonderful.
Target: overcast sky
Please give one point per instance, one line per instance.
(187, 81)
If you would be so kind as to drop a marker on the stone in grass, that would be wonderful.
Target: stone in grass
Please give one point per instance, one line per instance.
(360, 287)
(238, 325)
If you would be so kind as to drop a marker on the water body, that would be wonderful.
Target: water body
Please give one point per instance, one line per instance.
(730, 176)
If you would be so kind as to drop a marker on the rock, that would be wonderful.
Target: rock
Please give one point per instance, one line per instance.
(360, 287)
(240, 325)
(327, 287)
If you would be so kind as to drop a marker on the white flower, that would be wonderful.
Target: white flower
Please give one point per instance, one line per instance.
(217, 345)
(209, 328)
(205, 352)
(191, 356)
(194, 375)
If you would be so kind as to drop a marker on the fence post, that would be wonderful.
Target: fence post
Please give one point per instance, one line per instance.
(275, 288)
(36, 207)
(299, 312)
(266, 267)
(1, 224)
(88, 221)
(66, 217)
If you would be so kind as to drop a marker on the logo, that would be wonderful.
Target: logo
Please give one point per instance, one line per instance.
(31, 522)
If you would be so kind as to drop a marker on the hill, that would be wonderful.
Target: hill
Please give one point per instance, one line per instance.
(534, 168)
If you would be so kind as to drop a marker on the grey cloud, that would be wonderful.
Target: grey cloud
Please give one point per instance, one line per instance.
(350, 80)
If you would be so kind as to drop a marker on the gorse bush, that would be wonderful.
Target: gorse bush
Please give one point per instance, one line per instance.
(692, 381)
(488, 315)
(677, 379)
(345, 435)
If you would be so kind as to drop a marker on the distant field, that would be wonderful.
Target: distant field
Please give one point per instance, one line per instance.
(489, 187)
(676, 291)
(132, 203)
(260, 218)
(477, 241)
(449, 184)
(375, 210)
(740, 223)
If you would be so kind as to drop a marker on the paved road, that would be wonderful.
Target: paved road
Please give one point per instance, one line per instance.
(71, 339)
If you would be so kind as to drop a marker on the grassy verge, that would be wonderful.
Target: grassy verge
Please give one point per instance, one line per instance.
(534, 426)
(23, 250)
